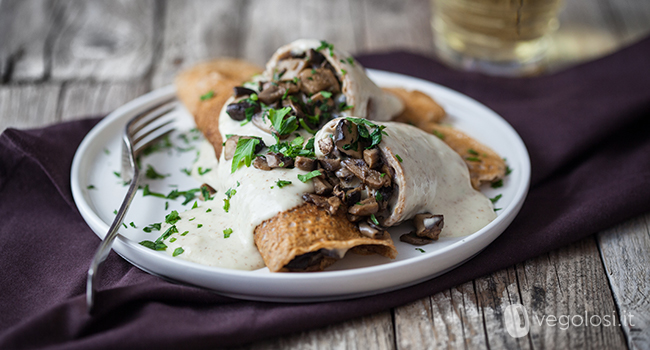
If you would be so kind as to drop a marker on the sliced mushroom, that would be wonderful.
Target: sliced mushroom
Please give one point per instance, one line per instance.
(346, 137)
(263, 123)
(372, 157)
(260, 163)
(330, 164)
(278, 160)
(229, 147)
(319, 201)
(354, 218)
(352, 196)
(237, 110)
(321, 186)
(335, 205)
(305, 163)
(428, 225)
(319, 79)
(370, 231)
(411, 238)
(240, 91)
(271, 93)
(365, 207)
(291, 67)
(315, 58)
(326, 145)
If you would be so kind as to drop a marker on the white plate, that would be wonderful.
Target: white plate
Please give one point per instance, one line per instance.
(98, 157)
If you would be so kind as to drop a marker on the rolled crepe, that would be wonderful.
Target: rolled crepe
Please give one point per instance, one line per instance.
(428, 177)
(366, 98)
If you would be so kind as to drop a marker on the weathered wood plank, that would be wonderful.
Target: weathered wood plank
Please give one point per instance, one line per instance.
(568, 284)
(24, 27)
(104, 40)
(389, 24)
(196, 31)
(28, 106)
(269, 26)
(370, 332)
(625, 250)
(450, 319)
(86, 99)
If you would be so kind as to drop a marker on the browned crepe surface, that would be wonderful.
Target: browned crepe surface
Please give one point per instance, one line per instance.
(218, 76)
(308, 228)
(422, 111)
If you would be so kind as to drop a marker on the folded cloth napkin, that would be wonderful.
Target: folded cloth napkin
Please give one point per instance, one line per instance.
(587, 130)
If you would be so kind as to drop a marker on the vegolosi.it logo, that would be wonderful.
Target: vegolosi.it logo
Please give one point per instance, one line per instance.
(516, 320)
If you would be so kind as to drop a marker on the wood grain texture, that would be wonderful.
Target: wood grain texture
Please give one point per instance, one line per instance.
(386, 24)
(196, 31)
(24, 28)
(625, 252)
(370, 332)
(85, 99)
(268, 26)
(570, 282)
(103, 40)
(28, 106)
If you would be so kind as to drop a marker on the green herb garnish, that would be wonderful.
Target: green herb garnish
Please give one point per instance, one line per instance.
(154, 245)
(374, 219)
(227, 232)
(497, 184)
(178, 251)
(282, 183)
(244, 153)
(309, 176)
(199, 225)
(154, 226)
(153, 174)
(132, 224)
(421, 250)
(495, 199)
(90, 187)
(439, 134)
(473, 159)
(208, 95)
(172, 217)
(147, 192)
(398, 158)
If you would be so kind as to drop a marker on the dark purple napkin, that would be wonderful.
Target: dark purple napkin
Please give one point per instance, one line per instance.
(587, 130)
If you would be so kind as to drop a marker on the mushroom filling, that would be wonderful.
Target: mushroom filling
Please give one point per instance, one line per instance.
(355, 179)
(304, 92)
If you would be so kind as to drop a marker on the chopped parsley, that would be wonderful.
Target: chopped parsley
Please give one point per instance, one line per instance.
(172, 240)
(172, 217)
(185, 233)
(205, 192)
(187, 172)
(374, 219)
(344, 72)
(114, 211)
(107, 151)
(398, 158)
(497, 209)
(199, 225)
(379, 197)
(178, 251)
(374, 137)
(326, 94)
(117, 174)
(473, 159)
(244, 153)
(350, 61)
(508, 170)
(132, 224)
(147, 192)
(155, 226)
(208, 95)
(227, 232)
(196, 205)
(191, 219)
(495, 199)
(154, 245)
(282, 183)
(472, 152)
(204, 171)
(170, 231)
(309, 176)
(497, 184)
(123, 224)
(153, 174)
(281, 125)
(166, 205)
(90, 187)
(209, 210)
(226, 201)
(420, 250)
(325, 45)
(439, 134)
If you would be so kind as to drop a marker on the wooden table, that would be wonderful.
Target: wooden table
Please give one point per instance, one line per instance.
(61, 60)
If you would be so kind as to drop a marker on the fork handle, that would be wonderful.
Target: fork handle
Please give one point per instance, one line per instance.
(105, 247)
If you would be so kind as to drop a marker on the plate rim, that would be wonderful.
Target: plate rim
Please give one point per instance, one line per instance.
(125, 247)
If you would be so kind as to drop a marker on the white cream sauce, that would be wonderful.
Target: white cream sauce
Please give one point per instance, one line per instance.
(258, 198)
(431, 178)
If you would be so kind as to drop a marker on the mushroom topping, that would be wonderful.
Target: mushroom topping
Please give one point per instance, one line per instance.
(326, 146)
(319, 79)
(411, 238)
(428, 225)
(372, 158)
(240, 91)
(315, 58)
(321, 186)
(278, 160)
(365, 207)
(370, 231)
(263, 123)
(330, 164)
(260, 163)
(290, 68)
(271, 93)
(332, 204)
(345, 138)
(305, 163)
(238, 110)
(352, 196)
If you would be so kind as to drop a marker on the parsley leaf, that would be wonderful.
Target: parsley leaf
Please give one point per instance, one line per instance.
(154, 226)
(309, 176)
(154, 245)
(172, 217)
(203, 171)
(282, 183)
(147, 192)
(244, 153)
(178, 251)
(398, 158)
(208, 95)
(495, 199)
(497, 184)
(227, 232)
(439, 134)
(282, 126)
(153, 174)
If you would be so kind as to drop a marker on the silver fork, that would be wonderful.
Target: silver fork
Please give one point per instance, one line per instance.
(140, 132)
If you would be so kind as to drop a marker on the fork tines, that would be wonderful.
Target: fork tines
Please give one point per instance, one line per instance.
(150, 125)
